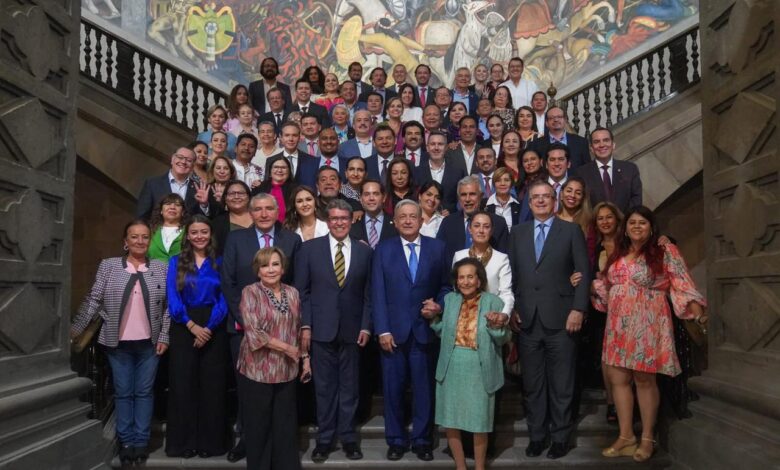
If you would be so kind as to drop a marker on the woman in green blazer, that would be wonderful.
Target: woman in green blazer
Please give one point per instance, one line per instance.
(167, 222)
(470, 370)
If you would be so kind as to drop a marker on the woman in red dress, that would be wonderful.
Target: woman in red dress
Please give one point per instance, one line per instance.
(639, 340)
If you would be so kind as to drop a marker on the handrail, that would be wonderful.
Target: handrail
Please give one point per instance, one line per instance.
(638, 86)
(145, 80)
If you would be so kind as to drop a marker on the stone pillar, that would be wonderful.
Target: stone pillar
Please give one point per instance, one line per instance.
(43, 425)
(736, 422)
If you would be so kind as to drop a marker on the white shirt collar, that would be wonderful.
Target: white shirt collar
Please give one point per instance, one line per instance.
(416, 241)
(610, 164)
(333, 242)
(494, 200)
(171, 178)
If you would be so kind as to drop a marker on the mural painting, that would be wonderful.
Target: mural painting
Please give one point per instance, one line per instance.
(559, 40)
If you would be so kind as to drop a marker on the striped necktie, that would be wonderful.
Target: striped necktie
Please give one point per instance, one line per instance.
(373, 235)
(338, 265)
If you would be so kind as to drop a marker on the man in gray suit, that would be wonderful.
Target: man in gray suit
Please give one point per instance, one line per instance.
(543, 254)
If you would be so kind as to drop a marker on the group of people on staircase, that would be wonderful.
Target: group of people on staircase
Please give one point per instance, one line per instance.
(434, 234)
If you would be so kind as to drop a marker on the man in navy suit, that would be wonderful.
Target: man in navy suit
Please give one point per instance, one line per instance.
(178, 180)
(434, 168)
(378, 80)
(464, 156)
(607, 179)
(237, 272)
(304, 166)
(258, 90)
(413, 149)
(302, 103)
(336, 308)
(348, 91)
(384, 143)
(556, 134)
(277, 113)
(454, 229)
(375, 225)
(361, 145)
(410, 275)
(355, 72)
(461, 92)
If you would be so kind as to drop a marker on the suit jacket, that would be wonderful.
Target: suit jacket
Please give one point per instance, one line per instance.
(626, 184)
(473, 100)
(329, 310)
(111, 292)
(489, 340)
(359, 231)
(305, 169)
(350, 149)
(257, 95)
(453, 233)
(449, 182)
(397, 300)
(318, 110)
(372, 168)
(157, 187)
(458, 159)
(388, 94)
(579, 153)
(270, 117)
(429, 94)
(543, 288)
(364, 88)
(516, 208)
(237, 272)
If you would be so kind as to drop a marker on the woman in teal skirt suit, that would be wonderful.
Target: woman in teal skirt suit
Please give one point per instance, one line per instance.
(470, 370)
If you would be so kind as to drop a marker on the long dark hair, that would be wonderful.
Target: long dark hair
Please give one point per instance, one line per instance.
(187, 256)
(533, 118)
(232, 104)
(319, 86)
(653, 253)
(291, 218)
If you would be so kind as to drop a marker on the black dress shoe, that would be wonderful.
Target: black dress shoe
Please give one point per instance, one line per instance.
(320, 453)
(395, 453)
(141, 455)
(126, 455)
(188, 454)
(557, 450)
(237, 453)
(203, 454)
(352, 451)
(535, 448)
(424, 453)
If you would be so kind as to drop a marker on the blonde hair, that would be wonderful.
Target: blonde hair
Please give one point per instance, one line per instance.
(263, 257)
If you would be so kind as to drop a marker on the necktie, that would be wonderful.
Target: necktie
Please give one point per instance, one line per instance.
(373, 236)
(539, 241)
(422, 96)
(488, 190)
(555, 187)
(607, 181)
(312, 150)
(305, 109)
(328, 162)
(278, 120)
(373, 120)
(384, 170)
(266, 240)
(469, 241)
(291, 159)
(338, 264)
(412, 261)
(413, 159)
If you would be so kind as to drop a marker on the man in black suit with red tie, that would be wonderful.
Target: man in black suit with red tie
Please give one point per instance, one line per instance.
(607, 179)
(422, 73)
(258, 90)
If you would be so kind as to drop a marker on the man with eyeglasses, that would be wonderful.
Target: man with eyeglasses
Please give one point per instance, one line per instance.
(548, 314)
(556, 134)
(335, 325)
(237, 272)
(521, 90)
(180, 180)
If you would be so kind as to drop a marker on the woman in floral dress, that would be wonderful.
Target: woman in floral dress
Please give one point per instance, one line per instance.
(639, 340)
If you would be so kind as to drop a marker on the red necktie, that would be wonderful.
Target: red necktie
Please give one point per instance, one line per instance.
(488, 190)
(328, 162)
(311, 148)
(413, 159)
(607, 181)
(422, 96)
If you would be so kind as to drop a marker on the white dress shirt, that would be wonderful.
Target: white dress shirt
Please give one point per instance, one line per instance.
(293, 159)
(504, 211)
(320, 230)
(346, 250)
(469, 156)
(412, 114)
(366, 148)
(610, 166)
(522, 92)
(499, 277)
(431, 228)
(437, 174)
(177, 187)
(408, 249)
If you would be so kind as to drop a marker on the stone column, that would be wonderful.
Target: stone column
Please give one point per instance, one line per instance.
(736, 422)
(43, 425)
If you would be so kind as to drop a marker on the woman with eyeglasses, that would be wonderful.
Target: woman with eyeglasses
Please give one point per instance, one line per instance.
(279, 184)
(236, 215)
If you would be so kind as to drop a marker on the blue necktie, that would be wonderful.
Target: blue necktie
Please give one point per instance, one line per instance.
(469, 241)
(412, 261)
(539, 242)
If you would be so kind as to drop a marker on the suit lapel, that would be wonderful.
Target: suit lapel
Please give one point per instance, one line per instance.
(401, 255)
(325, 253)
(555, 228)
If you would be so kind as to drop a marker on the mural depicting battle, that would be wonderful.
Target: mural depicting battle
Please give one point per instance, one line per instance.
(559, 40)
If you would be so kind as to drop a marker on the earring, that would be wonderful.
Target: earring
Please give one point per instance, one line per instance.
(125, 247)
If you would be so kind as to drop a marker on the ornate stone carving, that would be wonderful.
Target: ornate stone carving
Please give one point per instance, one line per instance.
(749, 313)
(27, 223)
(747, 217)
(17, 118)
(743, 123)
(30, 30)
(748, 29)
(25, 318)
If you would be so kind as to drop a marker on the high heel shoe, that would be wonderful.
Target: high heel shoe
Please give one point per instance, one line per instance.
(640, 456)
(625, 451)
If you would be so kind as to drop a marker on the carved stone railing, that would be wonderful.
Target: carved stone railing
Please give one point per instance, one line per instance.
(145, 80)
(640, 85)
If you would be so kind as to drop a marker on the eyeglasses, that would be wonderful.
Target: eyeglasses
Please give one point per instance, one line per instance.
(340, 219)
(278, 168)
(554, 118)
(540, 197)
(236, 194)
(183, 158)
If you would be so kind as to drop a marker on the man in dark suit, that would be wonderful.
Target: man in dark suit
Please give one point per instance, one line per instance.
(355, 72)
(410, 275)
(378, 80)
(374, 226)
(539, 105)
(237, 272)
(335, 322)
(258, 90)
(413, 149)
(454, 231)
(443, 99)
(277, 113)
(302, 103)
(556, 133)
(543, 254)
(178, 180)
(431, 120)
(422, 73)
(384, 143)
(361, 145)
(434, 168)
(607, 179)
(304, 166)
(400, 76)
(348, 91)
(464, 156)
(462, 93)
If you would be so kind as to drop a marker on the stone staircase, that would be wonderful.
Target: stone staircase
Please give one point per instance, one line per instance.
(591, 435)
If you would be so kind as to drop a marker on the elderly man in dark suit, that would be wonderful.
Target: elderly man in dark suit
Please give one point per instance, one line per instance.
(258, 90)
(607, 179)
(237, 272)
(336, 306)
(177, 180)
(556, 133)
(454, 229)
(543, 254)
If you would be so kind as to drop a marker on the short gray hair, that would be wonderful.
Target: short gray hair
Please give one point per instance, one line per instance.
(470, 179)
(408, 202)
(354, 116)
(261, 196)
(338, 204)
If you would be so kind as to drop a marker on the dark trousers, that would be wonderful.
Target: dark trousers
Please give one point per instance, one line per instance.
(235, 345)
(335, 366)
(270, 425)
(548, 360)
(197, 397)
